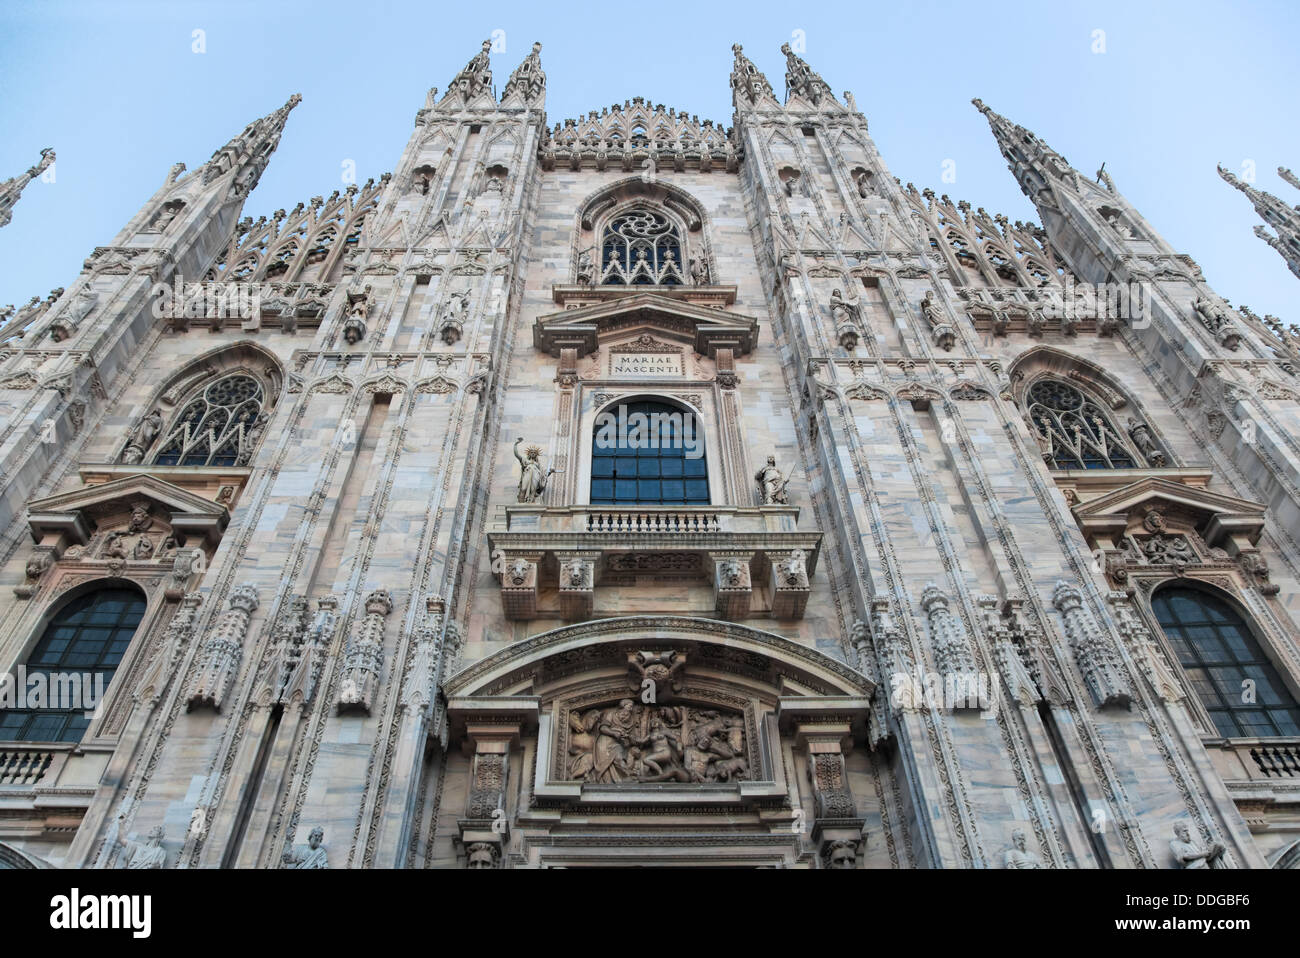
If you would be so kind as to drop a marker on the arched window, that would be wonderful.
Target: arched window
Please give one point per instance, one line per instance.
(648, 453)
(1079, 432)
(81, 649)
(212, 427)
(1234, 680)
(641, 248)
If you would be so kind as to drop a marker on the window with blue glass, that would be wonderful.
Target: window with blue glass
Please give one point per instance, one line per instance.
(86, 639)
(660, 461)
(213, 427)
(1078, 432)
(1222, 659)
(641, 248)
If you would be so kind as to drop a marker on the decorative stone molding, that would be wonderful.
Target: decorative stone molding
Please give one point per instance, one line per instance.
(1097, 656)
(1015, 675)
(364, 656)
(218, 659)
(1142, 647)
(158, 673)
(418, 691)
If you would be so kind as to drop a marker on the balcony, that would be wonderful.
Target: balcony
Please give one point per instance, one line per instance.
(573, 548)
(1257, 759)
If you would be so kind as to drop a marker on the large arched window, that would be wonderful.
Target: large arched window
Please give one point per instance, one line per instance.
(214, 426)
(1234, 680)
(1075, 427)
(80, 650)
(648, 453)
(641, 248)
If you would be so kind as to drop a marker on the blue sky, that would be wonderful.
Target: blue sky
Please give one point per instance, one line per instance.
(118, 91)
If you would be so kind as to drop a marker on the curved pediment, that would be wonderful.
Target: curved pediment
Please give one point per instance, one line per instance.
(704, 328)
(751, 654)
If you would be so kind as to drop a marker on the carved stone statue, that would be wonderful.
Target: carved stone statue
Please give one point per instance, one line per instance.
(1018, 855)
(772, 484)
(311, 856)
(143, 549)
(586, 272)
(1140, 433)
(842, 311)
(532, 480)
(150, 854)
(699, 273)
(142, 437)
(252, 434)
(1191, 854)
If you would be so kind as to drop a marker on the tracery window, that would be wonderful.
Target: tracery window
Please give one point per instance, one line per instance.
(641, 248)
(81, 648)
(216, 425)
(1077, 430)
(1228, 670)
(659, 459)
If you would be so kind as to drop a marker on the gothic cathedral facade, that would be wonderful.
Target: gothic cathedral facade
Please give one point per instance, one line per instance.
(639, 490)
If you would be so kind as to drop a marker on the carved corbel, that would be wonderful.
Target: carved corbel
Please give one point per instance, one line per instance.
(577, 584)
(488, 744)
(789, 582)
(42, 560)
(733, 587)
(823, 739)
(519, 574)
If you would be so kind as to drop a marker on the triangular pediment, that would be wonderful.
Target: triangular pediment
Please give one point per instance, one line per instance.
(704, 328)
(1214, 513)
(79, 512)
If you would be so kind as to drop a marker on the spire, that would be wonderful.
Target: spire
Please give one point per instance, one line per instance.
(803, 81)
(528, 80)
(748, 84)
(12, 188)
(249, 152)
(1037, 167)
(1276, 214)
(476, 78)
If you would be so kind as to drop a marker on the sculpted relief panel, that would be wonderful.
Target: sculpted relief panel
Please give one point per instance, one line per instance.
(634, 742)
